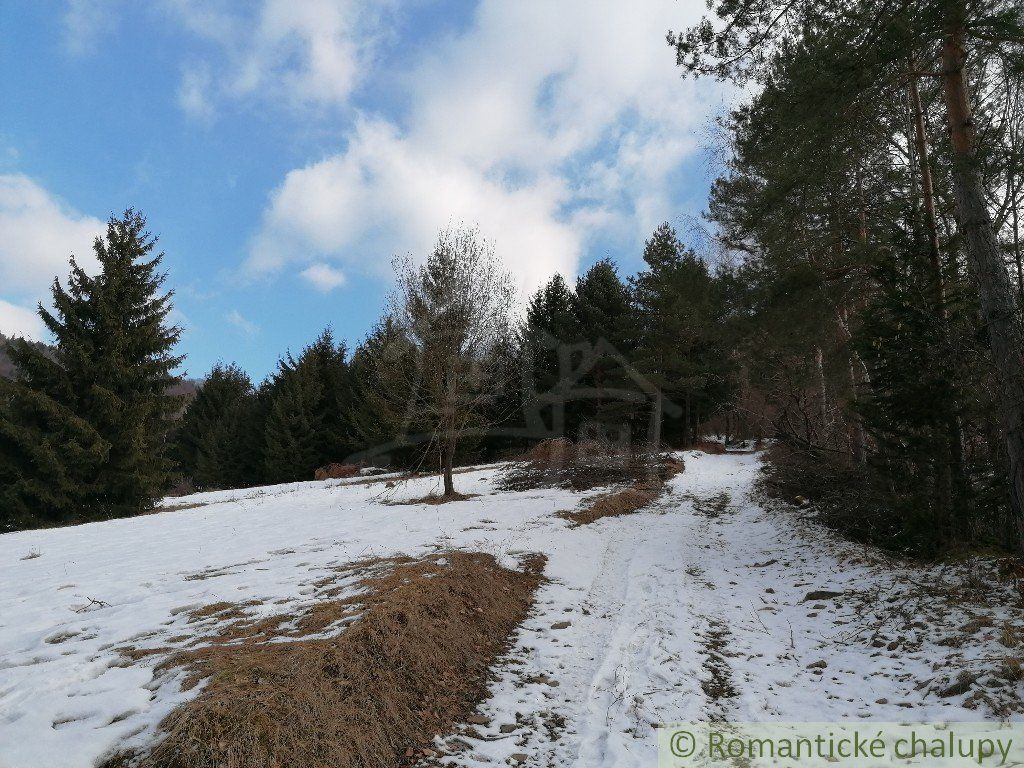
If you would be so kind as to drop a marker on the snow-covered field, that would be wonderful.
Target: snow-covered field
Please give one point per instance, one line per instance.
(694, 608)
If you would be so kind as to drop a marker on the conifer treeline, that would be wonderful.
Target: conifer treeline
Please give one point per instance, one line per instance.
(592, 353)
(90, 428)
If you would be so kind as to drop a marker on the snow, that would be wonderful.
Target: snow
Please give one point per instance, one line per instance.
(691, 609)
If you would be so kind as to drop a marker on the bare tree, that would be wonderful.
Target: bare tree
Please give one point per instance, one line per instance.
(454, 314)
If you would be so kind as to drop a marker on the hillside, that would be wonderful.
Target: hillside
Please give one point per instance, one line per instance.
(710, 603)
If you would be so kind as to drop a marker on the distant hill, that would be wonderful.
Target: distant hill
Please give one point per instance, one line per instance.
(187, 387)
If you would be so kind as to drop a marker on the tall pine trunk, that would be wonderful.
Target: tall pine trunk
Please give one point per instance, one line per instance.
(954, 494)
(995, 293)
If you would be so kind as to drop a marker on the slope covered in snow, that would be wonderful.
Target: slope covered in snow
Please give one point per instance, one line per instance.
(700, 606)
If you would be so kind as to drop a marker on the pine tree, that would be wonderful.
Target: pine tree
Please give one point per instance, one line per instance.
(327, 362)
(833, 68)
(676, 349)
(380, 415)
(106, 388)
(49, 458)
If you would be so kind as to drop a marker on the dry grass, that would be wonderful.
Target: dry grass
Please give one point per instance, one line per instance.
(616, 503)
(433, 499)
(552, 454)
(560, 463)
(628, 500)
(293, 691)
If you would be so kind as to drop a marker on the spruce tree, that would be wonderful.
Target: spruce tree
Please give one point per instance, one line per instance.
(547, 336)
(49, 458)
(210, 442)
(310, 418)
(292, 433)
(327, 362)
(106, 389)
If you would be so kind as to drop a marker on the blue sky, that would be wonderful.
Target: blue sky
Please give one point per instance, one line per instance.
(286, 150)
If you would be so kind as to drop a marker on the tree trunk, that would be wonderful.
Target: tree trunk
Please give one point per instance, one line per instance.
(928, 195)
(687, 433)
(1015, 218)
(953, 486)
(995, 292)
(656, 418)
(449, 460)
(860, 443)
(819, 362)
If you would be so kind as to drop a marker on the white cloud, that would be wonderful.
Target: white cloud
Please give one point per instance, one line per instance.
(323, 277)
(300, 54)
(38, 234)
(16, 320)
(383, 197)
(246, 327)
(544, 123)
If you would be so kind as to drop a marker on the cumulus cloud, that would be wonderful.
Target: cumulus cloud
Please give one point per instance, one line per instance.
(543, 132)
(38, 233)
(323, 277)
(17, 320)
(384, 197)
(299, 54)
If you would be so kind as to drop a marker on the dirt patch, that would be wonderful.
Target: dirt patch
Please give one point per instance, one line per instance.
(335, 471)
(712, 506)
(717, 685)
(552, 454)
(411, 661)
(178, 507)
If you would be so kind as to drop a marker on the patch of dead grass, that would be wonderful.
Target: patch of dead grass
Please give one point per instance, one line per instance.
(627, 500)
(560, 463)
(289, 691)
(615, 503)
(434, 499)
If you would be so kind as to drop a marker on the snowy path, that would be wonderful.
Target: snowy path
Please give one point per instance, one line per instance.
(695, 610)
(689, 610)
